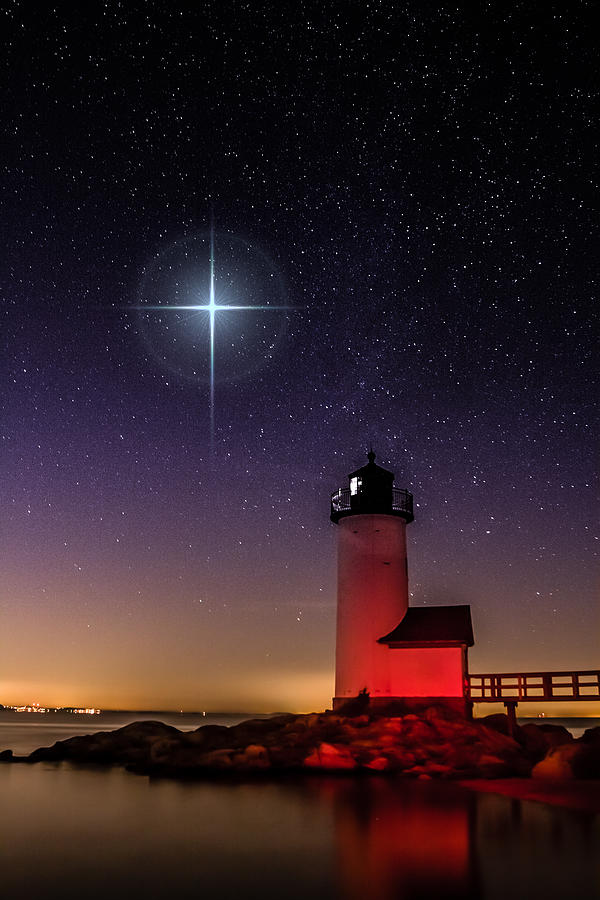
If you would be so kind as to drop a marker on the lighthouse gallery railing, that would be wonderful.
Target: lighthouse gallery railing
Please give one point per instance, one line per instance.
(402, 501)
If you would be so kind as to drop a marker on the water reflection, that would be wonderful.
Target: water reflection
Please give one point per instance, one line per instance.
(65, 832)
(405, 839)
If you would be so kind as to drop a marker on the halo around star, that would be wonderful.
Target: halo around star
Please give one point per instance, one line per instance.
(212, 308)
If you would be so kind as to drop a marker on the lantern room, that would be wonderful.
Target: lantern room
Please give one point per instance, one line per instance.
(371, 490)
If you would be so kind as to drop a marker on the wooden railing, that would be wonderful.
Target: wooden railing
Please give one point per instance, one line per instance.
(520, 687)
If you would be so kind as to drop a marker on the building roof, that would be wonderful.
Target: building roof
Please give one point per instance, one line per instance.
(432, 626)
(372, 470)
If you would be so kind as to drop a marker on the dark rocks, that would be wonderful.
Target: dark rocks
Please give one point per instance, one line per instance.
(435, 744)
(329, 756)
(578, 759)
(535, 739)
(497, 721)
(355, 706)
(591, 736)
(538, 739)
(552, 751)
(127, 745)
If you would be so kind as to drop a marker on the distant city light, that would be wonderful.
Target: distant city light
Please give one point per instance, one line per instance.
(71, 710)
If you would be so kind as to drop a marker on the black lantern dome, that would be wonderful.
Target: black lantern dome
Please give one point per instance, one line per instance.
(371, 490)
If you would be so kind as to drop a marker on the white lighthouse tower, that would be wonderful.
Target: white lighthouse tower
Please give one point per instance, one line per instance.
(371, 515)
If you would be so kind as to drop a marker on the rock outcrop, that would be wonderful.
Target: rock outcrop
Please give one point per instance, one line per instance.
(434, 744)
(128, 745)
(577, 759)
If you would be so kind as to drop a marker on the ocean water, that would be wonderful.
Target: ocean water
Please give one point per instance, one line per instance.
(71, 832)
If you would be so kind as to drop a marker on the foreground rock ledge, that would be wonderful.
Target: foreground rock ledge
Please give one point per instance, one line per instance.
(434, 744)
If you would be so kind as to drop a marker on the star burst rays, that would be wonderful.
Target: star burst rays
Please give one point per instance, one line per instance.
(212, 308)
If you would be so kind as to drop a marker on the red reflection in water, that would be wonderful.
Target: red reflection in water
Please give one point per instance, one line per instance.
(407, 840)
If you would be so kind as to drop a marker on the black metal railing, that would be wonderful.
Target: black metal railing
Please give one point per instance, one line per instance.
(402, 503)
(531, 686)
(340, 500)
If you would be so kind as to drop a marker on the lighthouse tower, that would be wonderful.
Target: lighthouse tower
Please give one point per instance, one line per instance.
(371, 515)
(412, 657)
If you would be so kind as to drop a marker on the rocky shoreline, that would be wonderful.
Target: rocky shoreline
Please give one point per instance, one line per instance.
(434, 744)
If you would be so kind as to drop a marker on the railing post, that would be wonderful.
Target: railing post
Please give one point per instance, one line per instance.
(575, 680)
(511, 713)
(547, 683)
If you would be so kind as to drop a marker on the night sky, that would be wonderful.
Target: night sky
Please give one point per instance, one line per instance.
(415, 184)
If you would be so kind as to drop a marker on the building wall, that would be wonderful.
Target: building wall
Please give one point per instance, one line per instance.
(372, 600)
(426, 672)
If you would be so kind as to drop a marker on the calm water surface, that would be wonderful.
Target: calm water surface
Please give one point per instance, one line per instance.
(81, 832)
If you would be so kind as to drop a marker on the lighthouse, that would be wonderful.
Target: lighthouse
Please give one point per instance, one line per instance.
(372, 596)
(412, 656)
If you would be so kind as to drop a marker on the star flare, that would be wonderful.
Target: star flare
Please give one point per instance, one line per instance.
(212, 308)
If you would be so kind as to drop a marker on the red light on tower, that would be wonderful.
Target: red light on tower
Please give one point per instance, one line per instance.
(414, 655)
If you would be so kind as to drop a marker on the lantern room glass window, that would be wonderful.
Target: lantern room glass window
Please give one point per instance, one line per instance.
(355, 485)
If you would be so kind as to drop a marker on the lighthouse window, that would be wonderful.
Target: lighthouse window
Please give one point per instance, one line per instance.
(355, 484)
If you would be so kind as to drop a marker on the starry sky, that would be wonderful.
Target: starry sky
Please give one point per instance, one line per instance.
(412, 188)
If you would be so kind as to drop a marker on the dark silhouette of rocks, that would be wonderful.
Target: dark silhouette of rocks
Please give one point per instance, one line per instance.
(591, 736)
(356, 706)
(538, 739)
(127, 745)
(578, 759)
(437, 743)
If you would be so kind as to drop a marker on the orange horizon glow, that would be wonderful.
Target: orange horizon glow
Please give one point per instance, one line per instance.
(297, 692)
(246, 702)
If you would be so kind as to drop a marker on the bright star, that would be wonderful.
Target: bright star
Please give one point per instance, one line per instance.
(212, 308)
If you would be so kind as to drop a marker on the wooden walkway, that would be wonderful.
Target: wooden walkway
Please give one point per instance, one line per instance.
(519, 687)
(512, 688)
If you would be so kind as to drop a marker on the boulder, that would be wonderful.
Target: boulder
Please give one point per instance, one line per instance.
(377, 764)
(328, 756)
(538, 739)
(253, 757)
(556, 763)
(535, 739)
(578, 759)
(217, 759)
(130, 744)
(490, 766)
(497, 721)
(591, 736)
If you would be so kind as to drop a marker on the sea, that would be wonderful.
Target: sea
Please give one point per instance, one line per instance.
(72, 831)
